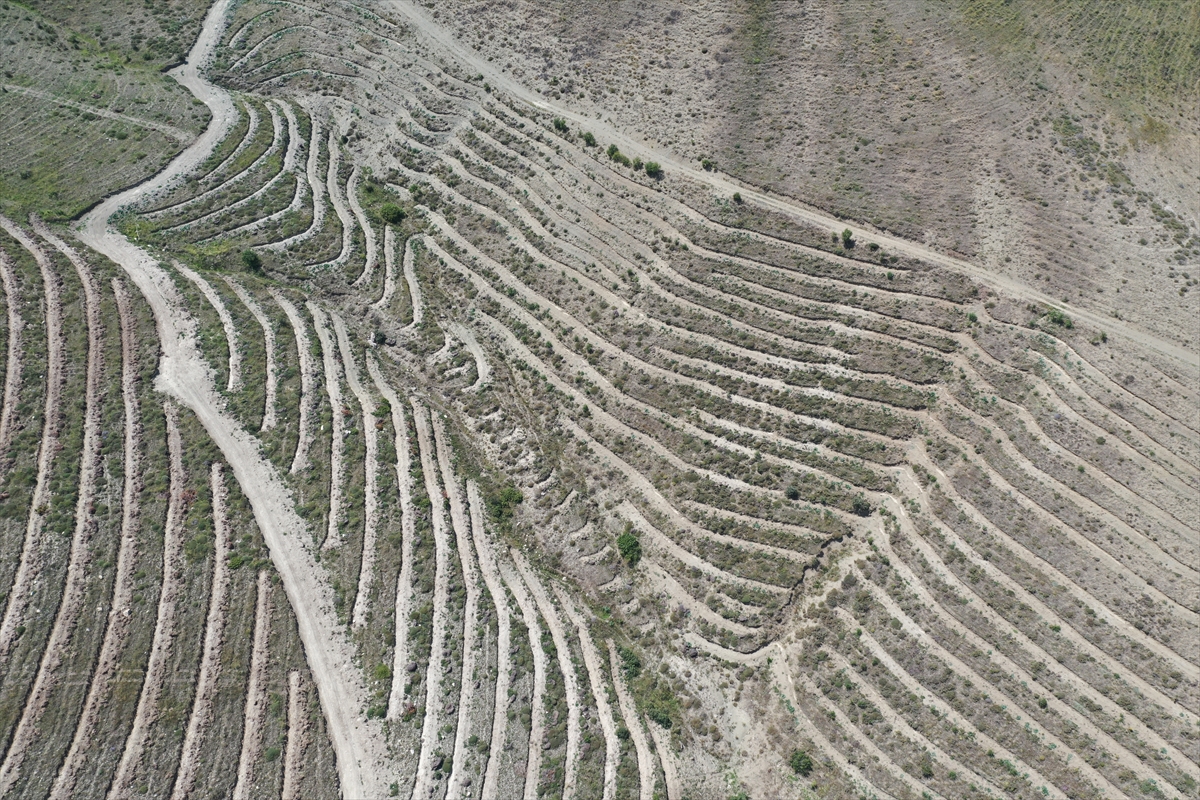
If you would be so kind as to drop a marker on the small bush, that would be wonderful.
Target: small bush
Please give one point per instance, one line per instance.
(251, 261)
(271, 754)
(630, 547)
(623, 733)
(737, 198)
(847, 238)
(560, 125)
(589, 139)
(637, 164)
(800, 762)
(861, 507)
(1060, 319)
(391, 213)
(654, 169)
(631, 665)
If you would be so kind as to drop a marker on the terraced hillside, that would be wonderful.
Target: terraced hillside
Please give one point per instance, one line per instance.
(415, 435)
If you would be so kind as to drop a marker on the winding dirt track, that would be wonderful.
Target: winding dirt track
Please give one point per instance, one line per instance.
(184, 375)
(498, 79)
(12, 363)
(30, 559)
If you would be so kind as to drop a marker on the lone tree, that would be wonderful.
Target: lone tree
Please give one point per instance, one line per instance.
(847, 238)
(251, 261)
(800, 762)
(654, 169)
(629, 546)
(391, 213)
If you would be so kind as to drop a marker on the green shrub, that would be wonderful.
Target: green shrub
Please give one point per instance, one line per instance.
(560, 125)
(800, 762)
(630, 547)
(637, 164)
(861, 507)
(737, 198)
(847, 238)
(251, 261)
(654, 169)
(589, 139)
(1059, 318)
(271, 754)
(631, 665)
(392, 213)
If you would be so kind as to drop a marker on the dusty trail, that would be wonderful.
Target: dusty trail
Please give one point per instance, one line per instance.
(389, 267)
(67, 616)
(633, 723)
(178, 134)
(256, 691)
(214, 633)
(595, 671)
(570, 677)
(436, 670)
(461, 521)
(366, 569)
(365, 224)
(117, 628)
(407, 532)
(231, 336)
(164, 626)
(537, 723)
(308, 380)
(12, 364)
(491, 579)
(297, 735)
(247, 140)
(269, 410)
(183, 375)
(31, 556)
(722, 186)
(337, 446)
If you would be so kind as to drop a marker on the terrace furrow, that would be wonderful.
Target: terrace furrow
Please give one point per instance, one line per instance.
(308, 381)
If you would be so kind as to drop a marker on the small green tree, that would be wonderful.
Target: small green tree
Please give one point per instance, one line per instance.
(251, 261)
(629, 546)
(391, 213)
(560, 125)
(847, 238)
(737, 198)
(800, 762)
(654, 169)
(589, 139)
